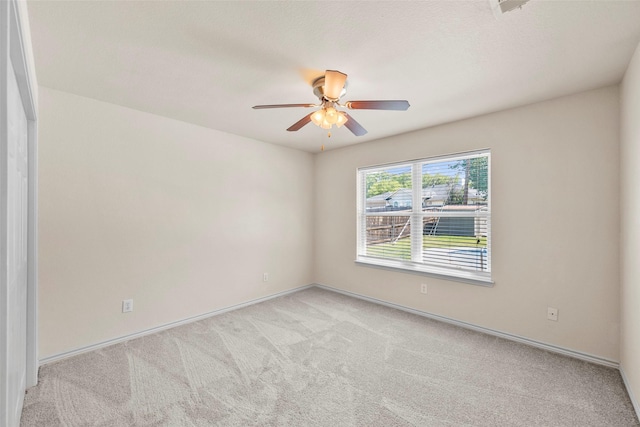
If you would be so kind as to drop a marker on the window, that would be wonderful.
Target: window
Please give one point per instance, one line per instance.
(430, 215)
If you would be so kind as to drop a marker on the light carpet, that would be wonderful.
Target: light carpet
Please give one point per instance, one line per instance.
(320, 358)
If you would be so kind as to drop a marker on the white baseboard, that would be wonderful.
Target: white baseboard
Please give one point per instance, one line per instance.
(549, 347)
(632, 397)
(102, 344)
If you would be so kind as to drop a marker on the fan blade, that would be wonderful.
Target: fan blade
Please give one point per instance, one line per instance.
(378, 105)
(333, 83)
(300, 123)
(260, 107)
(354, 126)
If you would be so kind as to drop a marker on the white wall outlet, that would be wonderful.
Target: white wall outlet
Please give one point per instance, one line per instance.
(423, 288)
(265, 277)
(552, 314)
(127, 305)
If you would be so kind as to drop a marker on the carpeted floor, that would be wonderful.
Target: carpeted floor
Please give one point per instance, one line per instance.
(319, 358)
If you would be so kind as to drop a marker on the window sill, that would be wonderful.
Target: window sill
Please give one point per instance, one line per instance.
(473, 278)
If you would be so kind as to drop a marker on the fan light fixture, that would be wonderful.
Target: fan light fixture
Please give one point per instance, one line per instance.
(329, 89)
(327, 117)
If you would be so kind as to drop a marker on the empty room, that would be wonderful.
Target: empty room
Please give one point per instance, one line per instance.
(320, 213)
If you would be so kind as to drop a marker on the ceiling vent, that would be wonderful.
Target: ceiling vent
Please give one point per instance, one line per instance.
(501, 7)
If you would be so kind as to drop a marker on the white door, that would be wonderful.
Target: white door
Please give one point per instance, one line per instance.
(16, 235)
(18, 213)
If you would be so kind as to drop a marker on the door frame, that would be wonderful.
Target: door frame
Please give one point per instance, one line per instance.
(15, 48)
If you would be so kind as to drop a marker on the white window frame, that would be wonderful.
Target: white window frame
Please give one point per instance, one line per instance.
(416, 265)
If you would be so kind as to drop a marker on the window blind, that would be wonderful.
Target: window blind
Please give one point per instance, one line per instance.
(431, 215)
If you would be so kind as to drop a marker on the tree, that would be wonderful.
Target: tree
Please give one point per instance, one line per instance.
(382, 182)
(476, 175)
(429, 180)
(381, 187)
(404, 179)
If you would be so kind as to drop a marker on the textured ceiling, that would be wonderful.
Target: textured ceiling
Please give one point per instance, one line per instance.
(208, 62)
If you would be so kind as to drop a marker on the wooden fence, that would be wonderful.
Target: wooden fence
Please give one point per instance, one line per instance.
(382, 229)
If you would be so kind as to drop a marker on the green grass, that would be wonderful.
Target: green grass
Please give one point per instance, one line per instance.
(402, 248)
(457, 241)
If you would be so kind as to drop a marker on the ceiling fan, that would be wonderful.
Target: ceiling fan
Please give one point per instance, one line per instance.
(329, 89)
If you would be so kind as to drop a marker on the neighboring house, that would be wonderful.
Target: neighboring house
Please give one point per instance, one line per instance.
(391, 200)
(379, 201)
(401, 198)
(436, 195)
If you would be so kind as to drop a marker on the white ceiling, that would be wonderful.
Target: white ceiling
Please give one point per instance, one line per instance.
(209, 62)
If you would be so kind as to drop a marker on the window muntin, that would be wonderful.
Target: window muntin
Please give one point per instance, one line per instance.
(428, 215)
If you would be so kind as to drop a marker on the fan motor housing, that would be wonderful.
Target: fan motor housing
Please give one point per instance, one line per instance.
(318, 89)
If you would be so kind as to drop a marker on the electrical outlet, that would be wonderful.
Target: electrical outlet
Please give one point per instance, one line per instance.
(265, 277)
(552, 314)
(423, 288)
(127, 305)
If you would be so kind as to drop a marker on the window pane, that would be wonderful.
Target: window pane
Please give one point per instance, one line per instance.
(450, 187)
(388, 189)
(389, 237)
(455, 182)
(459, 242)
(450, 208)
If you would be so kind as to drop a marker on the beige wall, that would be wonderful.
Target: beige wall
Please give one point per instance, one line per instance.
(185, 220)
(630, 226)
(555, 222)
(181, 219)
